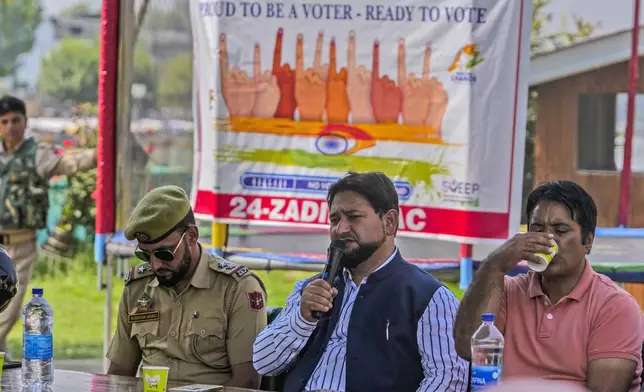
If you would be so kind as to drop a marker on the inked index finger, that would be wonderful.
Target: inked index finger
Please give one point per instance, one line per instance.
(375, 69)
(257, 62)
(277, 53)
(351, 52)
(332, 59)
(299, 54)
(426, 61)
(402, 68)
(223, 55)
(317, 60)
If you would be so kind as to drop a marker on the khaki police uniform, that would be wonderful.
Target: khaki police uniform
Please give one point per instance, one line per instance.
(21, 243)
(199, 333)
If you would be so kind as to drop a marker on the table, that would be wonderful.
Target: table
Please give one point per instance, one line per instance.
(71, 381)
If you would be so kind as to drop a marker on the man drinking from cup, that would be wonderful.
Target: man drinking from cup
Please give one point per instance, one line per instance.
(567, 322)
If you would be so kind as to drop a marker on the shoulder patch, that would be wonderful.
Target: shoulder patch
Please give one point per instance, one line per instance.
(226, 267)
(138, 272)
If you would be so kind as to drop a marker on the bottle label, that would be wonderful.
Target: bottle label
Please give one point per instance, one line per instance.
(38, 346)
(484, 377)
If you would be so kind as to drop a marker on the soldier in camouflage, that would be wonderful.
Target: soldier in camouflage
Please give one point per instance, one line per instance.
(25, 169)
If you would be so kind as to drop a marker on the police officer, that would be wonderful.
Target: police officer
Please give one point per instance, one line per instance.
(184, 308)
(25, 169)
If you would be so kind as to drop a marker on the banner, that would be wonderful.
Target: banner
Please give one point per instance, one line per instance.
(291, 95)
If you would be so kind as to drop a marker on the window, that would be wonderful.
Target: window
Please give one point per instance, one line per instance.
(601, 127)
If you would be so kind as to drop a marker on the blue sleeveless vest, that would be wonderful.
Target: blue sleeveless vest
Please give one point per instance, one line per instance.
(394, 298)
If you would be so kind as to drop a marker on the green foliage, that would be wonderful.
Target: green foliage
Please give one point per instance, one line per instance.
(176, 19)
(175, 82)
(77, 9)
(80, 208)
(18, 22)
(69, 72)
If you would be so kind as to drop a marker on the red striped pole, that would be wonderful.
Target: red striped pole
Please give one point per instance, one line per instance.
(633, 67)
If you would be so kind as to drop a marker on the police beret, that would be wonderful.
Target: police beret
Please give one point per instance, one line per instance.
(158, 214)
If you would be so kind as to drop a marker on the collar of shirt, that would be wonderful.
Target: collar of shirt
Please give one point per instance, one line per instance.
(535, 289)
(4, 152)
(347, 273)
(201, 277)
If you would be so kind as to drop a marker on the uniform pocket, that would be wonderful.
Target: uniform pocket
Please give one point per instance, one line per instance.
(207, 342)
(142, 330)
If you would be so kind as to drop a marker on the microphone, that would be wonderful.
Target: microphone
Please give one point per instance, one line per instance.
(335, 252)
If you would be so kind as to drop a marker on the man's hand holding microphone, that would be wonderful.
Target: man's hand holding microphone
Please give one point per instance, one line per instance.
(318, 295)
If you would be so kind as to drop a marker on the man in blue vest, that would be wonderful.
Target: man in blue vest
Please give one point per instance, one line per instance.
(386, 325)
(25, 169)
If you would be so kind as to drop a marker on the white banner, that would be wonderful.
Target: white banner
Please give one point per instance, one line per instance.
(291, 95)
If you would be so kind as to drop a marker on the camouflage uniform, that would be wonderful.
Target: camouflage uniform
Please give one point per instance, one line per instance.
(24, 187)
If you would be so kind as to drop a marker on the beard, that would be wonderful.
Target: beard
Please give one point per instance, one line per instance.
(176, 276)
(354, 257)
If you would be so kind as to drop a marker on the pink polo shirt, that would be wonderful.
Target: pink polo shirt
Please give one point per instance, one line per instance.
(596, 320)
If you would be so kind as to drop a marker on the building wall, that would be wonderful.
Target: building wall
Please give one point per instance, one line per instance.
(556, 140)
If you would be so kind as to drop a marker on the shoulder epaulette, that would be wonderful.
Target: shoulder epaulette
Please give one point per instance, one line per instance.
(229, 268)
(138, 272)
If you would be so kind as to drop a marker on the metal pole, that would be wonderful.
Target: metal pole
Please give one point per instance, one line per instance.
(107, 317)
(106, 154)
(633, 67)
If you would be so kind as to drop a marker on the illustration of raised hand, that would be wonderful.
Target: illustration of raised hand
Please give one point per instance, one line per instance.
(268, 91)
(386, 98)
(237, 88)
(321, 69)
(285, 81)
(358, 87)
(416, 92)
(310, 87)
(337, 101)
(437, 106)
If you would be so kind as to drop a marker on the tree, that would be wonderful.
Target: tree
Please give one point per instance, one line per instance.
(539, 42)
(178, 18)
(69, 72)
(77, 9)
(175, 82)
(18, 22)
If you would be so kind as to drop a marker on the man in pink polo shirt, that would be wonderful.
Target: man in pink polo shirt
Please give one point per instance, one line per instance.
(567, 322)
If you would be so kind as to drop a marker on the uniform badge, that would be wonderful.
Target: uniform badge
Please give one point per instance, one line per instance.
(255, 301)
(142, 268)
(144, 310)
(224, 265)
(241, 271)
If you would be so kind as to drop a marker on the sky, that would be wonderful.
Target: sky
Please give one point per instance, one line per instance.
(612, 15)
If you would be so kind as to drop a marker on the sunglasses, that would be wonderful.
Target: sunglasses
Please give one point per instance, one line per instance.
(166, 255)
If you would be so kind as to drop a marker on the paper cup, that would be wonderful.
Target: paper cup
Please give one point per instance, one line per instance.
(1, 363)
(546, 258)
(155, 378)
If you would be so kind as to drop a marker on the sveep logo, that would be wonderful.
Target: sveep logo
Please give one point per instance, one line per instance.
(465, 193)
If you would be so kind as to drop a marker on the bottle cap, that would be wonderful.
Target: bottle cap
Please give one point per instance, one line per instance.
(37, 291)
(487, 317)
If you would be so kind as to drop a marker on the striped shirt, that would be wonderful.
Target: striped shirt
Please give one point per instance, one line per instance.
(281, 341)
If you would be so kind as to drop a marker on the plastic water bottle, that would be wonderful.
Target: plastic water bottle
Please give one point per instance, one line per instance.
(487, 354)
(37, 342)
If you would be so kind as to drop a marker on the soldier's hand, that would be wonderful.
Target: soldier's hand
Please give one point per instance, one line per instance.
(316, 296)
(520, 247)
